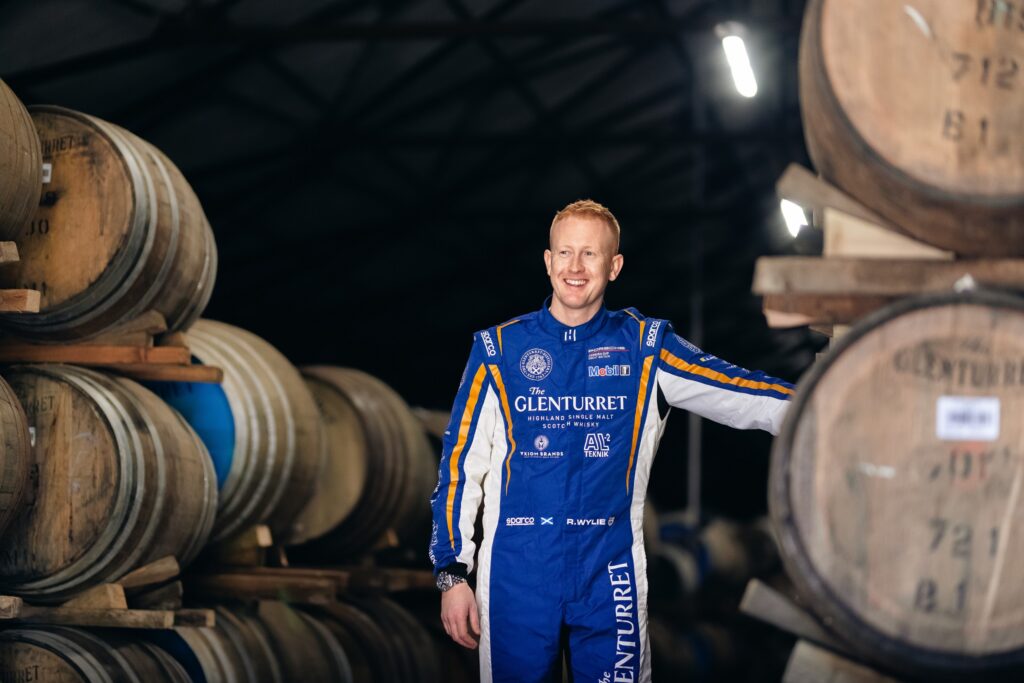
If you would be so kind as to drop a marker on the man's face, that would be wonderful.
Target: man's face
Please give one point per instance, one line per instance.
(581, 261)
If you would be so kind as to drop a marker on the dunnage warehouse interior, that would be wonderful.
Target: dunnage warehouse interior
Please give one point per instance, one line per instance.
(289, 218)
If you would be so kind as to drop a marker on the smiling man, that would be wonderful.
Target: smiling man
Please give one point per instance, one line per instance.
(554, 430)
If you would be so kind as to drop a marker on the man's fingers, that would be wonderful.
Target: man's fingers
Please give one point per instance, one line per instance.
(474, 620)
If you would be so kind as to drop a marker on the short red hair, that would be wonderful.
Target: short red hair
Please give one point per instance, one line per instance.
(591, 209)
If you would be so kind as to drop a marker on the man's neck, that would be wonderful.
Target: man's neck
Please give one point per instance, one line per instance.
(573, 317)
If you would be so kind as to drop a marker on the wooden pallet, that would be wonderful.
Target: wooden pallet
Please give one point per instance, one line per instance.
(139, 348)
(818, 655)
(128, 603)
(866, 263)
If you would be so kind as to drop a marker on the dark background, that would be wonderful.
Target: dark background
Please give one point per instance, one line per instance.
(380, 176)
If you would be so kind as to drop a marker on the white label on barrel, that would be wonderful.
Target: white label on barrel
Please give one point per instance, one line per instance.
(47, 172)
(967, 418)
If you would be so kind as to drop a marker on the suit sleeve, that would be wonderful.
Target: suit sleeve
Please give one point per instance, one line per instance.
(465, 461)
(713, 388)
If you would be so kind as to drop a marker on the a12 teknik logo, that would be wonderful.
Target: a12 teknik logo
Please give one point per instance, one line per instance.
(597, 445)
(608, 370)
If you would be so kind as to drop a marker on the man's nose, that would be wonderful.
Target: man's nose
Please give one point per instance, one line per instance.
(576, 264)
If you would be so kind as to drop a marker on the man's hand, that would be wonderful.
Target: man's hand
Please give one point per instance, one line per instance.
(460, 616)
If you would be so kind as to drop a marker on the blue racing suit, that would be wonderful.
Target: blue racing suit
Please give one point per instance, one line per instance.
(555, 428)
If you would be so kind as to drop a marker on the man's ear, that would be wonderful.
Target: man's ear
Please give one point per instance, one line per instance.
(547, 260)
(617, 262)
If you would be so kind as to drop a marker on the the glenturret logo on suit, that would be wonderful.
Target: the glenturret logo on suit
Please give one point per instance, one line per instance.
(536, 364)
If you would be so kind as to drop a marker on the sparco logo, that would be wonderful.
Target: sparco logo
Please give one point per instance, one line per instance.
(488, 343)
(652, 334)
(535, 364)
(597, 445)
(519, 521)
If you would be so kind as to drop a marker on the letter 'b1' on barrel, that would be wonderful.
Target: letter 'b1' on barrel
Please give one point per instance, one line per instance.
(897, 486)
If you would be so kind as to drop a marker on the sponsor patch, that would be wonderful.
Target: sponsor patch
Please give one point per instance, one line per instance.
(536, 364)
(597, 445)
(519, 521)
(603, 352)
(541, 443)
(608, 371)
(687, 344)
(652, 333)
(485, 337)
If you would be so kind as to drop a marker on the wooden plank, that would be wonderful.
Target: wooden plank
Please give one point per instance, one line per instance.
(9, 252)
(195, 618)
(173, 339)
(19, 301)
(801, 185)
(853, 237)
(768, 605)
(247, 549)
(811, 664)
(156, 572)
(105, 595)
(83, 354)
(167, 596)
(145, 327)
(251, 586)
(112, 618)
(879, 277)
(795, 310)
(204, 374)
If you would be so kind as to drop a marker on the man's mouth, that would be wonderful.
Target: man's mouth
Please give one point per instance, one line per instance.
(575, 283)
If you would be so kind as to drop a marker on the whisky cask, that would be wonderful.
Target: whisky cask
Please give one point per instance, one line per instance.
(20, 166)
(236, 650)
(119, 480)
(118, 231)
(380, 467)
(15, 455)
(305, 648)
(71, 655)
(261, 427)
(896, 486)
(915, 110)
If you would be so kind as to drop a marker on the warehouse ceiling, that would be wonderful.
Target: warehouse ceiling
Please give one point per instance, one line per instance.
(380, 175)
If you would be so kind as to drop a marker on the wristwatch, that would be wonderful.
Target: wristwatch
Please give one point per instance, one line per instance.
(446, 580)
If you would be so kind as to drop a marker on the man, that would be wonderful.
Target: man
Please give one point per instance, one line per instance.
(554, 429)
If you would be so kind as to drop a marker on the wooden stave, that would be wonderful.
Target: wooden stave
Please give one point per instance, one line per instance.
(383, 655)
(162, 250)
(961, 222)
(827, 606)
(418, 656)
(369, 520)
(20, 203)
(140, 528)
(250, 639)
(289, 403)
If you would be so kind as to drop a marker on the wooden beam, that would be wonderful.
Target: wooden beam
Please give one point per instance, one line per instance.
(804, 187)
(203, 374)
(796, 310)
(167, 596)
(19, 301)
(434, 421)
(146, 325)
(99, 617)
(9, 252)
(195, 618)
(850, 236)
(246, 549)
(85, 354)
(246, 585)
(879, 277)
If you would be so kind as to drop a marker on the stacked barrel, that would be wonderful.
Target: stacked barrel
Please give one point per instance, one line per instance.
(896, 479)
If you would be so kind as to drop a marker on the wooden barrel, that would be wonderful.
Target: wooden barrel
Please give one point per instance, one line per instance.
(119, 480)
(380, 466)
(15, 455)
(915, 110)
(896, 485)
(69, 655)
(118, 232)
(261, 427)
(305, 648)
(21, 162)
(236, 650)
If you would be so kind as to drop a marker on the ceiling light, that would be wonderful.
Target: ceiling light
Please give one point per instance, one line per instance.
(739, 64)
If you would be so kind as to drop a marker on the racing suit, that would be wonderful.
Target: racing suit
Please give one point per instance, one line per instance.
(555, 428)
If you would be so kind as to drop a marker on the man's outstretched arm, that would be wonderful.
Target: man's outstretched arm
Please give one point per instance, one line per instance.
(465, 460)
(713, 388)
